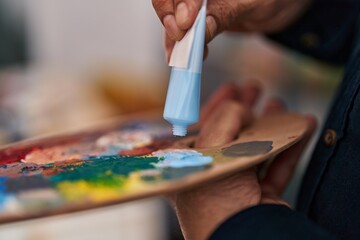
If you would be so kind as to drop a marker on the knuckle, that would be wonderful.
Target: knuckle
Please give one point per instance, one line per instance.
(162, 7)
(237, 110)
(195, 5)
(232, 105)
(157, 4)
(225, 13)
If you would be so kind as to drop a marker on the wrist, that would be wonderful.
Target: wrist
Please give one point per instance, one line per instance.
(202, 210)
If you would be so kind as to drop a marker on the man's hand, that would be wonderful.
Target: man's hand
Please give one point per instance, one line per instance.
(202, 209)
(265, 16)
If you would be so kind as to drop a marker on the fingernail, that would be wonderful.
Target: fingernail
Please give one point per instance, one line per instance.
(182, 14)
(211, 28)
(171, 27)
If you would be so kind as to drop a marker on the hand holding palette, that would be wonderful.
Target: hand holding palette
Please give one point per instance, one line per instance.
(129, 160)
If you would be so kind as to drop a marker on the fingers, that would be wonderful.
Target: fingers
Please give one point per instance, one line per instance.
(186, 12)
(224, 124)
(250, 93)
(177, 16)
(226, 112)
(211, 28)
(227, 91)
(282, 169)
(247, 95)
(221, 16)
(166, 14)
(172, 29)
(163, 8)
(273, 106)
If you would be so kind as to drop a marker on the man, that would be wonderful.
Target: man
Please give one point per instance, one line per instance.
(242, 206)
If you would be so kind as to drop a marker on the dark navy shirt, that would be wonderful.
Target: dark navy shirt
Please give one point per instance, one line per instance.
(329, 199)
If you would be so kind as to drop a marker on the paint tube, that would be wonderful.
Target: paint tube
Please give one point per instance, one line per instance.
(183, 96)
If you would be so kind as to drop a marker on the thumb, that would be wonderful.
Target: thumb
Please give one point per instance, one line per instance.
(227, 15)
(186, 12)
(220, 15)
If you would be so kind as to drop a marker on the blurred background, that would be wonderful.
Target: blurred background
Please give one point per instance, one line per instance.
(65, 64)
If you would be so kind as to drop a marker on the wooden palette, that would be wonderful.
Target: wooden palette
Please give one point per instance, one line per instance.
(126, 160)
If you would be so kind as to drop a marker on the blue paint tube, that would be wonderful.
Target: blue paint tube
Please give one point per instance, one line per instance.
(183, 96)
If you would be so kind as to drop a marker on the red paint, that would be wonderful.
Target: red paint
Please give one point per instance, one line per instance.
(13, 155)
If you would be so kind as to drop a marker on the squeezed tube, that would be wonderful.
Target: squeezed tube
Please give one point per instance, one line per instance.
(183, 97)
(183, 100)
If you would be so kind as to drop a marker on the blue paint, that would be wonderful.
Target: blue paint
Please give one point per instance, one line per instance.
(3, 194)
(181, 159)
(183, 96)
(26, 183)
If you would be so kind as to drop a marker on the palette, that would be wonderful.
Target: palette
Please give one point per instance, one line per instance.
(129, 159)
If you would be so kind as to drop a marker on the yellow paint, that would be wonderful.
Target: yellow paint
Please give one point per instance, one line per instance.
(134, 182)
(82, 189)
(99, 191)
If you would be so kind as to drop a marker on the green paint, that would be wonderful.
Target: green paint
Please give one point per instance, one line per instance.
(97, 168)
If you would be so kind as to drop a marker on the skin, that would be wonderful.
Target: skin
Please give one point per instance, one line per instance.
(265, 16)
(201, 210)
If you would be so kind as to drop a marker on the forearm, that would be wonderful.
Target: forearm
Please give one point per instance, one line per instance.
(326, 31)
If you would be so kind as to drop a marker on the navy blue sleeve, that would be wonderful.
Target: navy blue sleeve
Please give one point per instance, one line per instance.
(326, 31)
(270, 222)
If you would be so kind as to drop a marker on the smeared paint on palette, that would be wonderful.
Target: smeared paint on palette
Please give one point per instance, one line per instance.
(248, 149)
(131, 160)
